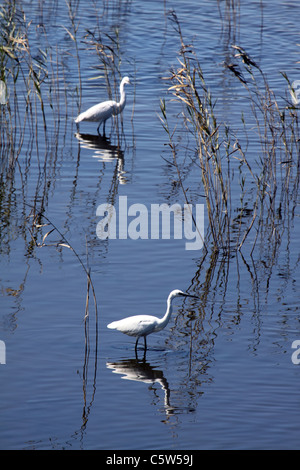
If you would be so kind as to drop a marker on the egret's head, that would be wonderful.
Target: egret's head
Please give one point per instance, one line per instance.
(126, 81)
(177, 292)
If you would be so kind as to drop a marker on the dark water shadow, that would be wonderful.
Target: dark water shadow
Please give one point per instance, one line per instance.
(140, 370)
(104, 151)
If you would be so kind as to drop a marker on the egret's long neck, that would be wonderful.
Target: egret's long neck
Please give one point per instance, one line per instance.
(122, 101)
(164, 320)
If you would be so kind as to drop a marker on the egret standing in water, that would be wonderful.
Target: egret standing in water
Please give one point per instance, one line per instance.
(103, 111)
(144, 325)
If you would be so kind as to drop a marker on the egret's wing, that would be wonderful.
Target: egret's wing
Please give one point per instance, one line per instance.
(135, 326)
(99, 112)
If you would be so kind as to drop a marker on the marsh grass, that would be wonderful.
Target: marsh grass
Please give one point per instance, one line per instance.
(274, 174)
(109, 65)
(40, 101)
(36, 117)
(32, 113)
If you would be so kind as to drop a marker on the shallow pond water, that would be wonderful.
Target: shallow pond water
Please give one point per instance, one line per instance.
(221, 375)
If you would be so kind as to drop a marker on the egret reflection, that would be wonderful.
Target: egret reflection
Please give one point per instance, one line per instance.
(142, 371)
(104, 152)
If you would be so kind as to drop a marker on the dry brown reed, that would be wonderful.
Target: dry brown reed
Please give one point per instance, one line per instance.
(32, 81)
(275, 174)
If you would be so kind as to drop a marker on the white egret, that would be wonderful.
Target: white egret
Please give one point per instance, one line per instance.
(102, 111)
(144, 325)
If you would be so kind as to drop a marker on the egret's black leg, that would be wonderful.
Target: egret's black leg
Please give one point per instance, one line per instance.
(98, 128)
(104, 128)
(145, 348)
(144, 355)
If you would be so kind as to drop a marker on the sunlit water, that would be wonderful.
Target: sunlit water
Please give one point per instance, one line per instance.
(221, 374)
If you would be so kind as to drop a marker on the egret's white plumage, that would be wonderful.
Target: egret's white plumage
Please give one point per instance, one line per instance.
(143, 325)
(103, 111)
